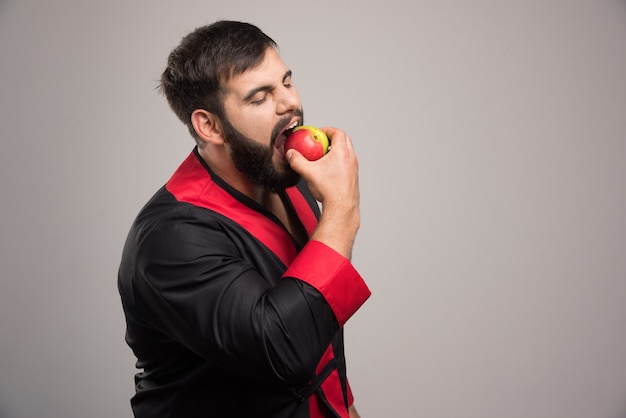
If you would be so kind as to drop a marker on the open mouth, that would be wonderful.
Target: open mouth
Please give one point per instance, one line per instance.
(281, 137)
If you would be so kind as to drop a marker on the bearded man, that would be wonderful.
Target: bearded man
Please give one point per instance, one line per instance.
(235, 286)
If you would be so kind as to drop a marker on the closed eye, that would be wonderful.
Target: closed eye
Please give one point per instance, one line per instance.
(265, 90)
(259, 101)
(287, 79)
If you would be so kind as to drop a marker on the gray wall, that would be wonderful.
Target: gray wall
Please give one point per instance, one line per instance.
(492, 143)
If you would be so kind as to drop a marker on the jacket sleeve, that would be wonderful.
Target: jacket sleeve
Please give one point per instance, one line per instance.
(333, 276)
(196, 287)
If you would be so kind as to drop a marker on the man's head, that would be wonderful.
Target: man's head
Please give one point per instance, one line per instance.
(207, 58)
(230, 75)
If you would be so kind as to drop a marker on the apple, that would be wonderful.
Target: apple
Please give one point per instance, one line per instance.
(311, 142)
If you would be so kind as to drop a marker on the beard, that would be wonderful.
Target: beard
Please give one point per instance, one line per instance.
(255, 160)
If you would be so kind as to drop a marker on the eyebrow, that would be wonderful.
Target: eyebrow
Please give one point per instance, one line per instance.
(267, 87)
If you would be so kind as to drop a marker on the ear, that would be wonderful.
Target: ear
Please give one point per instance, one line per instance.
(207, 126)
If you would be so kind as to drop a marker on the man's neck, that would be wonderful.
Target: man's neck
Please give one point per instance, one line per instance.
(224, 168)
(217, 159)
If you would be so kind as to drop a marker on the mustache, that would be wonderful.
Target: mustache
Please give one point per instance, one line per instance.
(282, 124)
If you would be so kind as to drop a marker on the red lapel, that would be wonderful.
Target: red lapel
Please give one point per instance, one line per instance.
(192, 183)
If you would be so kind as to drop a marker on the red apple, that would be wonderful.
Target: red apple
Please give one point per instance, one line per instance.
(311, 142)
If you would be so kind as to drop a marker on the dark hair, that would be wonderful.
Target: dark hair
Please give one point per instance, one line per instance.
(207, 57)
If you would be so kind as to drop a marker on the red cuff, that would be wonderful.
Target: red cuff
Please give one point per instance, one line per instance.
(333, 276)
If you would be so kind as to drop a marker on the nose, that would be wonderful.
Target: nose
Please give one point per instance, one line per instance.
(289, 100)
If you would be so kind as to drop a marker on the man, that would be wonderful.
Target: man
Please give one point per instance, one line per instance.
(234, 286)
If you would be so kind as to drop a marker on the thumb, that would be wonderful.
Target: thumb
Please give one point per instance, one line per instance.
(295, 160)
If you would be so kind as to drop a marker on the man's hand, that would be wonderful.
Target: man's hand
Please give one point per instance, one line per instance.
(334, 181)
(353, 413)
(334, 177)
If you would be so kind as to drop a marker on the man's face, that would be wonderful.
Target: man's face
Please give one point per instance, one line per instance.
(260, 105)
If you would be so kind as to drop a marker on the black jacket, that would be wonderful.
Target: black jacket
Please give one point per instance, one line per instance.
(226, 315)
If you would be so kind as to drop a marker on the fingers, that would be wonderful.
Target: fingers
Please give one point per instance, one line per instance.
(338, 138)
(340, 165)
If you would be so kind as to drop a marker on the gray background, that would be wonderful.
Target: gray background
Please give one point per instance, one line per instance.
(491, 137)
